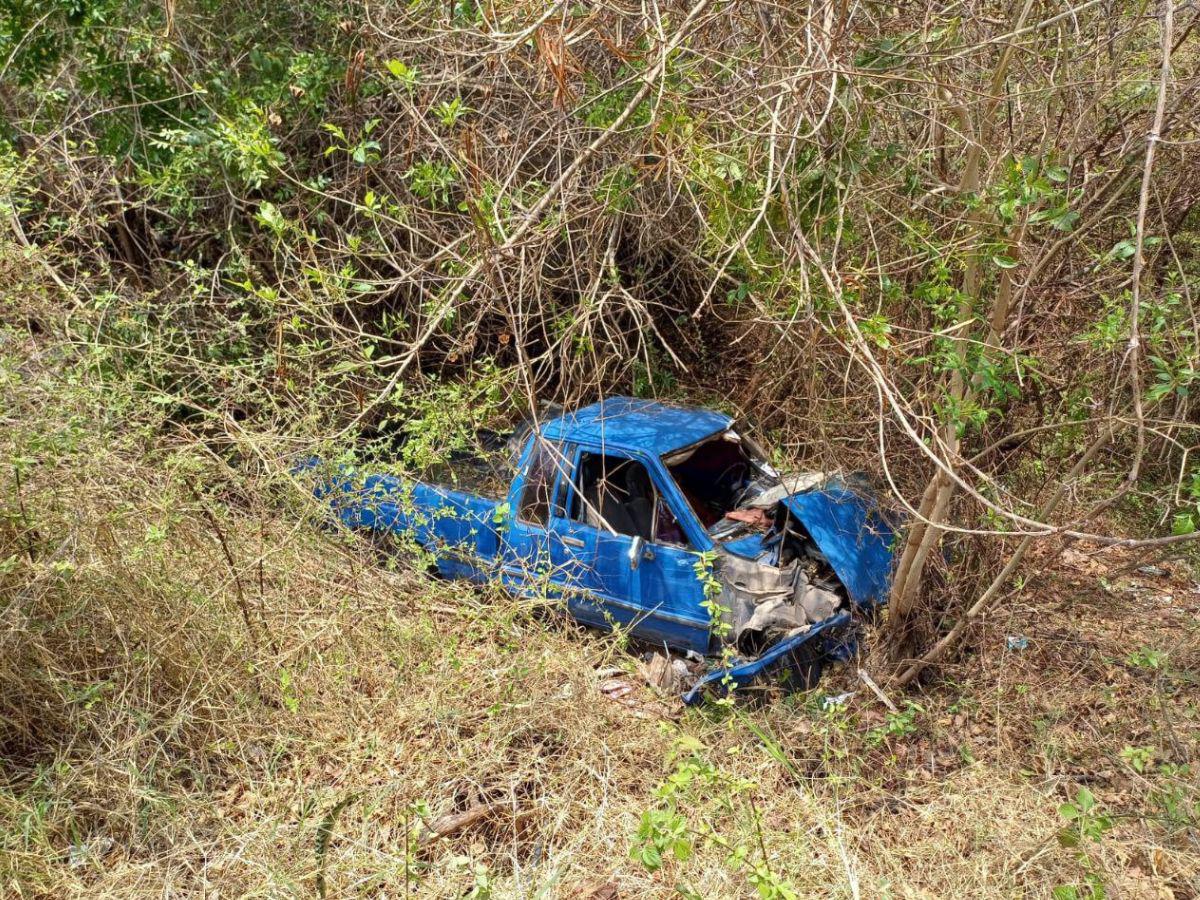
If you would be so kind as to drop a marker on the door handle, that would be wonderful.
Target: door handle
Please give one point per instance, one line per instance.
(573, 541)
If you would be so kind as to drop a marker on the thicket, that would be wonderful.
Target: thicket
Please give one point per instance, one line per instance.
(953, 245)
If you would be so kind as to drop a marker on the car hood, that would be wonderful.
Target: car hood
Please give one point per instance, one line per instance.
(850, 532)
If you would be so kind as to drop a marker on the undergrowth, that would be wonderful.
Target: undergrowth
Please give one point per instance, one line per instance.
(233, 236)
(205, 690)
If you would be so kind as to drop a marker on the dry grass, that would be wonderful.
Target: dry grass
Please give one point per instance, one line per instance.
(199, 694)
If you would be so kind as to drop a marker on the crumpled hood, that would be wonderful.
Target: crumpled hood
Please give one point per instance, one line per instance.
(847, 527)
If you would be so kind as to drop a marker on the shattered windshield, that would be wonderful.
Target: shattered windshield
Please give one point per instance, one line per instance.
(721, 478)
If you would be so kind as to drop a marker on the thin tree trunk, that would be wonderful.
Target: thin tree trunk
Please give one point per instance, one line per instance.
(939, 493)
(928, 533)
(989, 595)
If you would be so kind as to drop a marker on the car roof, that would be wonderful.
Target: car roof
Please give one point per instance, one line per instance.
(627, 423)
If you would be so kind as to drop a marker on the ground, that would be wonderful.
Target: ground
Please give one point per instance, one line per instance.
(205, 692)
(286, 715)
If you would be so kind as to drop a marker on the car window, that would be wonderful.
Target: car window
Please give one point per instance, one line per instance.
(617, 494)
(716, 475)
(541, 480)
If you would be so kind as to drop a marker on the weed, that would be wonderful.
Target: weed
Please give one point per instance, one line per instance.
(896, 725)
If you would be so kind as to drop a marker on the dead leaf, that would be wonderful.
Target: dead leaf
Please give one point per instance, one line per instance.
(595, 890)
(660, 673)
(620, 691)
(561, 63)
(1081, 562)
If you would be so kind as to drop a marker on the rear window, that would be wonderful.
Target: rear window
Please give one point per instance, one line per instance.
(541, 479)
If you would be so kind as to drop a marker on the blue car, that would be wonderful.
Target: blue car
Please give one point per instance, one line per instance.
(662, 520)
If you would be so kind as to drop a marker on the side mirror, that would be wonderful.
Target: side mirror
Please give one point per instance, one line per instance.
(635, 552)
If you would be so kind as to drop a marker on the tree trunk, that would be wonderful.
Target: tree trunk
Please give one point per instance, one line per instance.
(939, 492)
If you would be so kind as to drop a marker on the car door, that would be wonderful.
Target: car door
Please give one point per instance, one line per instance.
(592, 562)
(530, 546)
(626, 575)
(550, 554)
(668, 584)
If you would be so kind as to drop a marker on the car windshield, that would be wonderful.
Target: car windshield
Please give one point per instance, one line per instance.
(718, 477)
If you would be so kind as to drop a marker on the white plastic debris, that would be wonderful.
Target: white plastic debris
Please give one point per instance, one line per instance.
(836, 700)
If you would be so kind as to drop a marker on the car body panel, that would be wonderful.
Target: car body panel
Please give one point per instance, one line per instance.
(856, 540)
(739, 673)
(629, 424)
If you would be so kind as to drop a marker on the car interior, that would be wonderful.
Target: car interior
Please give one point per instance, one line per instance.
(617, 493)
(714, 476)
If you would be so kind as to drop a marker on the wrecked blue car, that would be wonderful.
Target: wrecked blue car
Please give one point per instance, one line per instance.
(664, 521)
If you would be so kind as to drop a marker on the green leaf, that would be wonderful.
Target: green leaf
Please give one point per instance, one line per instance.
(1005, 262)
(1158, 392)
(682, 850)
(1183, 523)
(290, 700)
(651, 858)
(269, 216)
(1065, 222)
(1123, 250)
